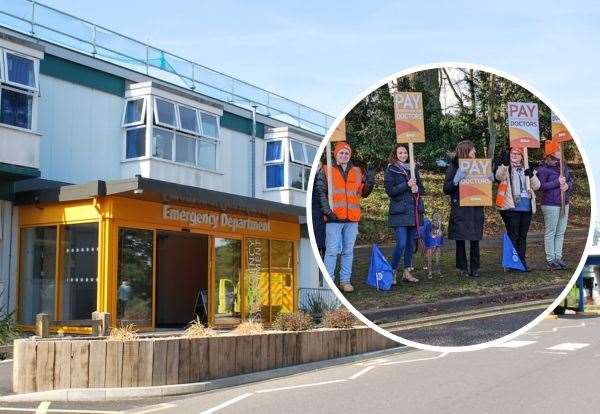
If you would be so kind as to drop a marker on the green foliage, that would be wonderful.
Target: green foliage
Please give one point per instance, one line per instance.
(370, 124)
(8, 324)
(296, 321)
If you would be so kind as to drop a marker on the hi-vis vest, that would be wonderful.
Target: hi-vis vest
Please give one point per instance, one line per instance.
(346, 194)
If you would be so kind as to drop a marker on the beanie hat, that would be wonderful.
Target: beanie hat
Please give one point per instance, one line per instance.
(340, 146)
(550, 147)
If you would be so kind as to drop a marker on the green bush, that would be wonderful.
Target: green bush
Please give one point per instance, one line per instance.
(340, 318)
(297, 321)
(8, 325)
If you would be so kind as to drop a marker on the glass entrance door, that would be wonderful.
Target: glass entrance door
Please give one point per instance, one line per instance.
(227, 288)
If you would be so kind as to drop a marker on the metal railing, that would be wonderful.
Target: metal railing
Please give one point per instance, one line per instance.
(60, 28)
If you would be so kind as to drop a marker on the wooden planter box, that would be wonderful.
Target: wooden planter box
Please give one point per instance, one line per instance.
(46, 364)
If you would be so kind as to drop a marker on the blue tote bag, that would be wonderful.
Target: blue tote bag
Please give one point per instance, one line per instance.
(510, 258)
(380, 272)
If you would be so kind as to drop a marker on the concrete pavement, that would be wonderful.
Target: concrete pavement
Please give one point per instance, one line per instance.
(551, 369)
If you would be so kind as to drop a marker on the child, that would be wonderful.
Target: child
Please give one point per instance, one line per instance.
(432, 235)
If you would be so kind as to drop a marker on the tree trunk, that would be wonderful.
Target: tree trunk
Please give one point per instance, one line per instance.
(491, 105)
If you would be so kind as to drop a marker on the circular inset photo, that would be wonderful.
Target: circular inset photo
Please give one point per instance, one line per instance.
(450, 207)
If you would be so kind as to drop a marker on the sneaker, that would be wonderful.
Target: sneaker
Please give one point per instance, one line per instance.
(561, 263)
(408, 277)
(347, 287)
(463, 273)
(475, 273)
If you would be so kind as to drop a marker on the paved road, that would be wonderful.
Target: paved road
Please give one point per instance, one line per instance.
(471, 331)
(551, 369)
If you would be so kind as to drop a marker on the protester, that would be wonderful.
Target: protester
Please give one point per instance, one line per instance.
(405, 210)
(552, 185)
(349, 184)
(518, 204)
(465, 223)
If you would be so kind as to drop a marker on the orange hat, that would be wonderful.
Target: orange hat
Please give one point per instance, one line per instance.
(340, 146)
(550, 147)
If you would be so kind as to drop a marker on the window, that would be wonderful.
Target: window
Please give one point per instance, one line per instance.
(37, 275)
(162, 144)
(297, 152)
(134, 291)
(185, 149)
(180, 133)
(207, 154)
(274, 175)
(274, 152)
(79, 260)
(135, 111)
(189, 119)
(20, 71)
(16, 108)
(135, 142)
(18, 84)
(227, 290)
(210, 127)
(296, 176)
(164, 113)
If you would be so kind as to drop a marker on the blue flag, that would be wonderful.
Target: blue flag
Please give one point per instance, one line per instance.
(510, 257)
(380, 272)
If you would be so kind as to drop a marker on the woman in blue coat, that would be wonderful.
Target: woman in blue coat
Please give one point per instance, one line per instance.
(406, 208)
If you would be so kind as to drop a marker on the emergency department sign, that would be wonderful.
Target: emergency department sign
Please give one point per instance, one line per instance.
(408, 116)
(560, 133)
(476, 188)
(523, 125)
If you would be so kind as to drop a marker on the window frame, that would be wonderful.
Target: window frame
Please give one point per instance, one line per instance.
(281, 155)
(198, 123)
(36, 70)
(201, 126)
(175, 112)
(152, 142)
(143, 117)
(193, 138)
(145, 156)
(33, 105)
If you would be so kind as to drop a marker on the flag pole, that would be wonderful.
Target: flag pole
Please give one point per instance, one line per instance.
(329, 184)
(526, 165)
(562, 174)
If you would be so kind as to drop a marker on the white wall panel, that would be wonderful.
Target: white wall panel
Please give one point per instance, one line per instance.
(81, 132)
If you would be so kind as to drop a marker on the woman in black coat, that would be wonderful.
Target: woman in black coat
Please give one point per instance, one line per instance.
(406, 208)
(465, 223)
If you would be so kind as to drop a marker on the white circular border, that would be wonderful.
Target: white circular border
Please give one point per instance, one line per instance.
(343, 299)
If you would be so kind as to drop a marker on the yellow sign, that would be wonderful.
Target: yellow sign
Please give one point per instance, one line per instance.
(408, 116)
(476, 188)
(523, 125)
(339, 134)
(560, 133)
(214, 220)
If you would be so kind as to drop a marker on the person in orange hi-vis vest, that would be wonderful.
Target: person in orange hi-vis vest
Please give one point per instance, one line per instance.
(349, 184)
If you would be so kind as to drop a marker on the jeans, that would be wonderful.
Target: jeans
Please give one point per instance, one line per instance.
(405, 239)
(461, 255)
(554, 231)
(340, 236)
(517, 226)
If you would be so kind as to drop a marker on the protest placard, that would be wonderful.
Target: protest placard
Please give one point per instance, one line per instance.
(560, 133)
(476, 188)
(523, 125)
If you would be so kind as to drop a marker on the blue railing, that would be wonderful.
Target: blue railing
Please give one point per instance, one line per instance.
(57, 27)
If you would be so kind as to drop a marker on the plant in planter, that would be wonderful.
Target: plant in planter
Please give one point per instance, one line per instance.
(317, 305)
(123, 333)
(340, 318)
(248, 328)
(8, 325)
(196, 329)
(296, 321)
